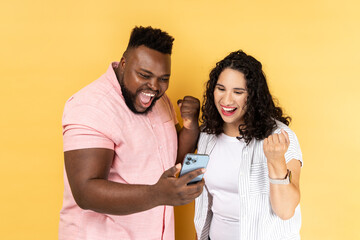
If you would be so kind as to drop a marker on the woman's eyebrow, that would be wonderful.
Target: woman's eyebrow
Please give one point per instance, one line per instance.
(242, 89)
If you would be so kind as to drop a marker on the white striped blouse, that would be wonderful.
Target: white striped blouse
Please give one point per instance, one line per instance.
(257, 219)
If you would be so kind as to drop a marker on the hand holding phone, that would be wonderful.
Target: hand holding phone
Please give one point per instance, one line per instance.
(192, 162)
(173, 191)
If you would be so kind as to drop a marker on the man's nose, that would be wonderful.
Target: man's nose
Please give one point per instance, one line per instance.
(153, 84)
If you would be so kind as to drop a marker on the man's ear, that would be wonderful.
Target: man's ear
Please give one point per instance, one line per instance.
(122, 63)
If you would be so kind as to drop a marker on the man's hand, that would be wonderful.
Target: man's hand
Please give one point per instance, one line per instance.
(174, 191)
(189, 133)
(275, 147)
(189, 109)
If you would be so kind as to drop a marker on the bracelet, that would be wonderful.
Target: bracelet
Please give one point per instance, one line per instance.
(286, 180)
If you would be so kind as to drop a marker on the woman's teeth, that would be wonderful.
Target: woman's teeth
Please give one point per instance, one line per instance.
(227, 109)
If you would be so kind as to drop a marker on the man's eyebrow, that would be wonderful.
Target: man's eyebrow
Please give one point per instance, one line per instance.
(149, 72)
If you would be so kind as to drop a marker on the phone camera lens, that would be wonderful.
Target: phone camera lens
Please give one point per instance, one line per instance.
(188, 158)
(194, 160)
(187, 163)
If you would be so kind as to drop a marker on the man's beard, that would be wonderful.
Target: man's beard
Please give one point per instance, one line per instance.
(130, 99)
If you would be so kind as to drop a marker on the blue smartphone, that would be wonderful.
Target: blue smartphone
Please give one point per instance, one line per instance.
(192, 162)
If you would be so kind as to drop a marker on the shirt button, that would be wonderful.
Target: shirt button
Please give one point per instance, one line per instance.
(241, 174)
(160, 147)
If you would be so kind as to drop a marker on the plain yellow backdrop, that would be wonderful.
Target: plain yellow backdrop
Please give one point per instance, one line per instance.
(310, 51)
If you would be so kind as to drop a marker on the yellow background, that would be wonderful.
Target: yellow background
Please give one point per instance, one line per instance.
(310, 51)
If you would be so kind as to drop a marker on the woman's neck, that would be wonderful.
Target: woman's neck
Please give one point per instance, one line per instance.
(231, 130)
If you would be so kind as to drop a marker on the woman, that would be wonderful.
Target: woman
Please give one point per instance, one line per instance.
(252, 179)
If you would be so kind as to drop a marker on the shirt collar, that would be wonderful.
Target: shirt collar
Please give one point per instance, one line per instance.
(111, 76)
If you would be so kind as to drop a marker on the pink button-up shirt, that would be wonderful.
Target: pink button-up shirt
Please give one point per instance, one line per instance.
(145, 146)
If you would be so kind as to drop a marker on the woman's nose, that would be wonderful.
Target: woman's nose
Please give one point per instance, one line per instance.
(227, 99)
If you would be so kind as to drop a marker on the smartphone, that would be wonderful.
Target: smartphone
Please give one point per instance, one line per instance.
(192, 162)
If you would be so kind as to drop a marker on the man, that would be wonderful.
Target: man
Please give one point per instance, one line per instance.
(121, 145)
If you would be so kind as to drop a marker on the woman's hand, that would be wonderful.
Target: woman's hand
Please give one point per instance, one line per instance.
(275, 147)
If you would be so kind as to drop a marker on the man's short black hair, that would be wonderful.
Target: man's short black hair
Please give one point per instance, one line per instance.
(152, 38)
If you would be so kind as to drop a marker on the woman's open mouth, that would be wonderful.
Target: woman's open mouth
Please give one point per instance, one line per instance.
(228, 111)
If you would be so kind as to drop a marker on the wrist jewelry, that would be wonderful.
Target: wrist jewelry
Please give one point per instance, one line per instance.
(285, 180)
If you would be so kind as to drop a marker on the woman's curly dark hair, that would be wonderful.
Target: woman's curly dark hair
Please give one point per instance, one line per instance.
(261, 112)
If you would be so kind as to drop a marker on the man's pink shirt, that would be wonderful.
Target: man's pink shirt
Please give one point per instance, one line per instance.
(145, 146)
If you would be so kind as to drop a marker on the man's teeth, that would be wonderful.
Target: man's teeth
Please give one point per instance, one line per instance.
(228, 109)
(149, 94)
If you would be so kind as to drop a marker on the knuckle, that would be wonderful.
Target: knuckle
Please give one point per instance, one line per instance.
(180, 195)
(191, 176)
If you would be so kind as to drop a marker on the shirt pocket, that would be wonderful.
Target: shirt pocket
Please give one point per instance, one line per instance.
(259, 179)
(171, 137)
(138, 160)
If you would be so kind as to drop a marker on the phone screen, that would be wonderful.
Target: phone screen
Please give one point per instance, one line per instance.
(192, 162)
